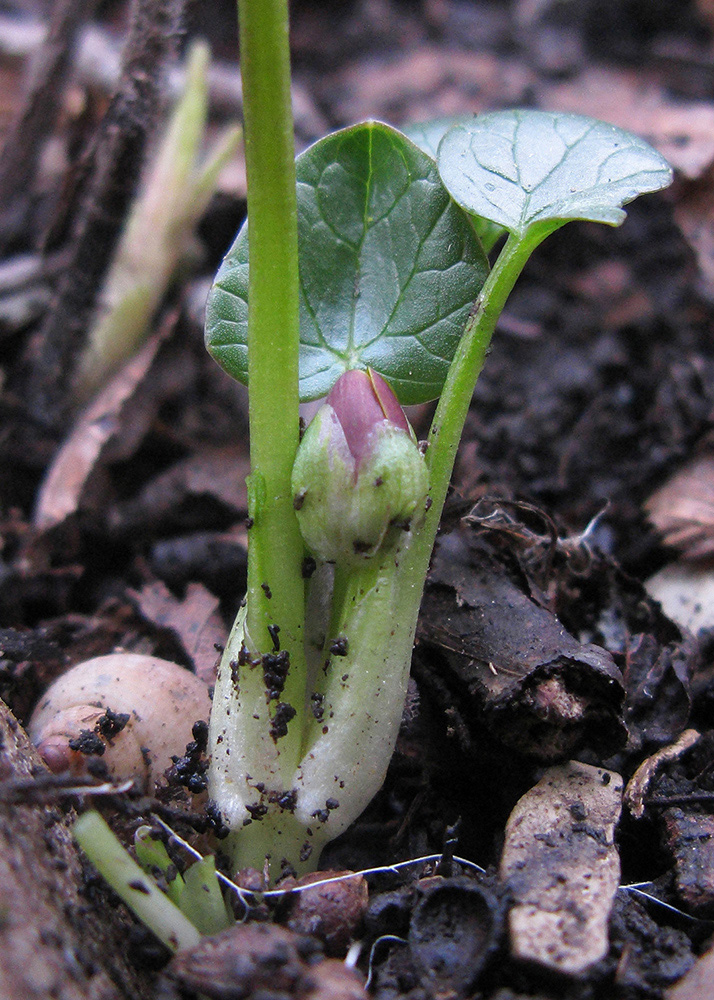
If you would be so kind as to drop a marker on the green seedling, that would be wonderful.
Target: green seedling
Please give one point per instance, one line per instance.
(362, 276)
(393, 281)
(154, 859)
(177, 908)
(131, 882)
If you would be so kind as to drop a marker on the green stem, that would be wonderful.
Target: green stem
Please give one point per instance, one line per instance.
(448, 423)
(340, 593)
(275, 584)
(277, 837)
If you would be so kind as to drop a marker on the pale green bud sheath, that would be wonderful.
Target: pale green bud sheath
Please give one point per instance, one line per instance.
(359, 478)
(360, 485)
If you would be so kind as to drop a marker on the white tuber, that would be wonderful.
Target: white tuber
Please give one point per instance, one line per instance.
(161, 699)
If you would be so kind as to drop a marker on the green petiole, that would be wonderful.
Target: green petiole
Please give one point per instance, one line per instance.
(450, 416)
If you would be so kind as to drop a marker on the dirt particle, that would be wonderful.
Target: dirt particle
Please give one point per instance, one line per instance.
(340, 646)
(274, 632)
(215, 821)
(287, 800)
(199, 731)
(88, 743)
(279, 724)
(286, 869)
(275, 672)
(97, 768)
(111, 724)
(577, 811)
(257, 809)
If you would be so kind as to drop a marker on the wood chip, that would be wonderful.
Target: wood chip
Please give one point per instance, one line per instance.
(640, 781)
(563, 868)
(536, 687)
(686, 594)
(690, 838)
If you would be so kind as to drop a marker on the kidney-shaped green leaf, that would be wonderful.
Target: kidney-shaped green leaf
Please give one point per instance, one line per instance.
(427, 135)
(522, 168)
(389, 267)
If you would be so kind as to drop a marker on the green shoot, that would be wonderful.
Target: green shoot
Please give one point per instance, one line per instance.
(202, 900)
(157, 236)
(153, 857)
(138, 890)
(393, 281)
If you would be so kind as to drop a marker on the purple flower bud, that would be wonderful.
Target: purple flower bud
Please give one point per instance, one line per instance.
(359, 478)
(362, 400)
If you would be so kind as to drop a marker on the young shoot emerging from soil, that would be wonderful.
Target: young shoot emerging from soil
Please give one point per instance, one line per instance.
(393, 303)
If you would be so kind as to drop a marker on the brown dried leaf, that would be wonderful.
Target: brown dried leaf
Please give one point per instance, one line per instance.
(706, 9)
(694, 214)
(639, 783)
(429, 81)
(194, 622)
(683, 133)
(213, 473)
(682, 509)
(563, 868)
(109, 429)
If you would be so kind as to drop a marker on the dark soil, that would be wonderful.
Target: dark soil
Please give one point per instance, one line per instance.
(538, 643)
